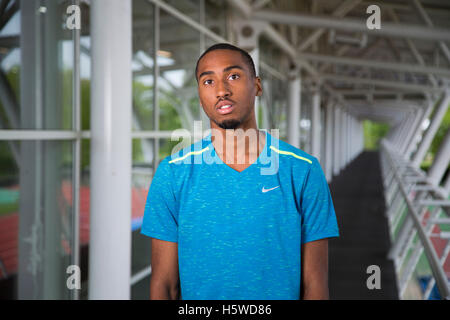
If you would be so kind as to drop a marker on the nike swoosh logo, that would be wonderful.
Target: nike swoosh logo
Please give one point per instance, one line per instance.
(264, 190)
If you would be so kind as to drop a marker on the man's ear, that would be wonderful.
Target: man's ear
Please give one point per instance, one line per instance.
(259, 90)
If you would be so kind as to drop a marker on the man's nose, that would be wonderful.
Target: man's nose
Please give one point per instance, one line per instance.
(222, 89)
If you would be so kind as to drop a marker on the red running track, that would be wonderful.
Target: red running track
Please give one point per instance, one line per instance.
(9, 224)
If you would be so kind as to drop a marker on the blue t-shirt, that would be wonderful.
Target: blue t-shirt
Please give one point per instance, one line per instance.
(239, 234)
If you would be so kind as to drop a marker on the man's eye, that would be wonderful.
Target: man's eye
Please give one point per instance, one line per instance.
(233, 77)
(207, 82)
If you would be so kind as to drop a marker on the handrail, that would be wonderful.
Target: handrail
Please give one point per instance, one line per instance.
(434, 261)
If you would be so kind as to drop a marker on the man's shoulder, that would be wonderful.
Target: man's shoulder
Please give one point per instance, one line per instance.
(292, 153)
(186, 154)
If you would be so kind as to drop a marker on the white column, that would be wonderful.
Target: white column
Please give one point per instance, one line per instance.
(315, 124)
(111, 110)
(432, 129)
(441, 161)
(343, 138)
(329, 111)
(351, 136)
(254, 53)
(294, 107)
(337, 141)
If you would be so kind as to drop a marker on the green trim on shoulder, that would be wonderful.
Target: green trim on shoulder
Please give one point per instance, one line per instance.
(290, 154)
(188, 154)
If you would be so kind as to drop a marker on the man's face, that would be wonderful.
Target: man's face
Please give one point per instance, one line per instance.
(227, 88)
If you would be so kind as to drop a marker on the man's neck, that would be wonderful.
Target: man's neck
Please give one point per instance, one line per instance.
(238, 146)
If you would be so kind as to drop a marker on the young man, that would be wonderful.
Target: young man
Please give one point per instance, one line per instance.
(236, 220)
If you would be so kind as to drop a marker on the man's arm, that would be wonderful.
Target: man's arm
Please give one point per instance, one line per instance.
(164, 283)
(315, 270)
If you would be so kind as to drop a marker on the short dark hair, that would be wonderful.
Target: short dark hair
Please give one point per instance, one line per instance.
(226, 46)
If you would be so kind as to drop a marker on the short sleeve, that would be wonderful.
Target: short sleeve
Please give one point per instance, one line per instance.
(318, 215)
(161, 214)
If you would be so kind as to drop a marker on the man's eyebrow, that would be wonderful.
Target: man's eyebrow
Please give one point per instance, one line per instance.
(205, 73)
(224, 70)
(232, 67)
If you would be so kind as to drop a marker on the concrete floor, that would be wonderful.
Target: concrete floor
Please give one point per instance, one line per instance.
(359, 203)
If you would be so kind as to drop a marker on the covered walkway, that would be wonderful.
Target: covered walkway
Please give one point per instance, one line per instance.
(358, 198)
(328, 68)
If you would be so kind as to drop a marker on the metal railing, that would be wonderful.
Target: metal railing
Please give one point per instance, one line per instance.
(415, 210)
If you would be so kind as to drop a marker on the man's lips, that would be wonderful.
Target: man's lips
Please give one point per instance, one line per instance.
(224, 107)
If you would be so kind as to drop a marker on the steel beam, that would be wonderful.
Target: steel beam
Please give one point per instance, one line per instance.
(391, 66)
(353, 25)
(381, 83)
(339, 12)
(418, 131)
(435, 122)
(420, 9)
(441, 161)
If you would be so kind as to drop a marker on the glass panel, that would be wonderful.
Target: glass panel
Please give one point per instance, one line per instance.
(35, 219)
(143, 149)
(142, 174)
(85, 68)
(38, 50)
(85, 196)
(10, 55)
(178, 98)
(9, 218)
(143, 61)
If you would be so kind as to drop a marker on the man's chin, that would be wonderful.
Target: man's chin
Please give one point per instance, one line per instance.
(229, 124)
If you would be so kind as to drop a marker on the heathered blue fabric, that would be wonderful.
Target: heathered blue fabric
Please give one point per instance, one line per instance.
(234, 241)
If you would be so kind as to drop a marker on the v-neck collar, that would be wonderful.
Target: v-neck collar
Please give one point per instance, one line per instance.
(255, 164)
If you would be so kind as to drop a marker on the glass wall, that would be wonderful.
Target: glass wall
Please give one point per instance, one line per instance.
(37, 84)
(45, 78)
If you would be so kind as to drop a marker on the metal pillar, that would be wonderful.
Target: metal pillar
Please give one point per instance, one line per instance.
(40, 256)
(294, 107)
(418, 131)
(254, 53)
(30, 251)
(447, 185)
(315, 125)
(432, 129)
(406, 130)
(441, 161)
(337, 141)
(329, 141)
(156, 36)
(343, 137)
(350, 138)
(401, 132)
(110, 219)
(413, 129)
